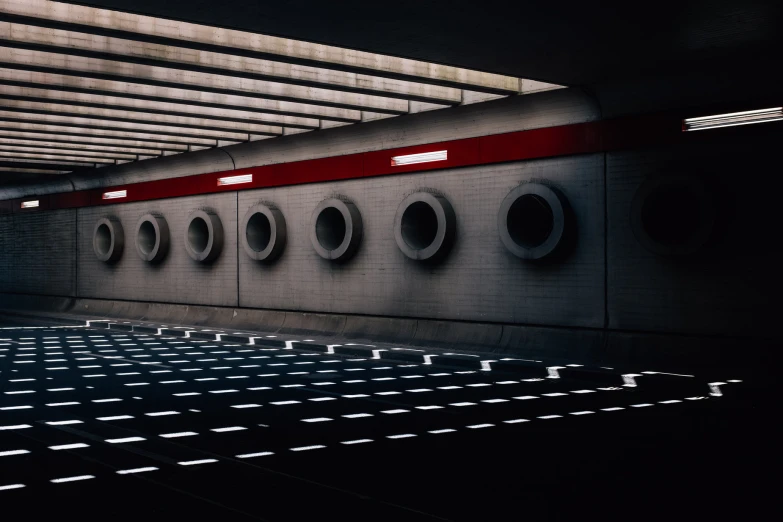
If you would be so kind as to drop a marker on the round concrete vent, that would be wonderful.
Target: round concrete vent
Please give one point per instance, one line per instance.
(108, 239)
(152, 238)
(532, 221)
(203, 236)
(672, 215)
(425, 226)
(264, 234)
(336, 229)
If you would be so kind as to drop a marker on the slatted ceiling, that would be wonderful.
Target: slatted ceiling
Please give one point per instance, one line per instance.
(284, 50)
(159, 94)
(131, 51)
(13, 92)
(100, 87)
(52, 145)
(136, 117)
(74, 131)
(22, 170)
(80, 153)
(159, 75)
(88, 143)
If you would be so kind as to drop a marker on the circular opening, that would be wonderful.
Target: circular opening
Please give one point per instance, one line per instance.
(419, 225)
(147, 237)
(330, 228)
(198, 235)
(258, 232)
(530, 220)
(670, 215)
(103, 239)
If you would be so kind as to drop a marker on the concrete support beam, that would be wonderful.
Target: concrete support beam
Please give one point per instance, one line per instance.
(50, 145)
(135, 117)
(89, 19)
(154, 75)
(161, 94)
(84, 143)
(71, 153)
(75, 131)
(138, 128)
(19, 170)
(219, 63)
(10, 159)
(54, 157)
(13, 92)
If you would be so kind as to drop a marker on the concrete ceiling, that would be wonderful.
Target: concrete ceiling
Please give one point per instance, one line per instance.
(151, 88)
(85, 87)
(569, 43)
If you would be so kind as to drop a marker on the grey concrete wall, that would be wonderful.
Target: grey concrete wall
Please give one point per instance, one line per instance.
(479, 280)
(38, 253)
(732, 286)
(178, 278)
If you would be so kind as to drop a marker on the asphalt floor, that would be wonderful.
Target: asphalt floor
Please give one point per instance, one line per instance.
(98, 424)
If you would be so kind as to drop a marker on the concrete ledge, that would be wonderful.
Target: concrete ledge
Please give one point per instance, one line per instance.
(299, 323)
(446, 334)
(501, 346)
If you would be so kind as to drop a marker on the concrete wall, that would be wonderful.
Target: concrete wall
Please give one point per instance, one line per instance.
(38, 253)
(730, 287)
(478, 281)
(178, 278)
(609, 280)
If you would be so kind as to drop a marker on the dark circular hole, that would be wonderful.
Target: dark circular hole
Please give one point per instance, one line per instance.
(103, 239)
(147, 237)
(670, 215)
(530, 220)
(198, 235)
(258, 232)
(419, 225)
(330, 228)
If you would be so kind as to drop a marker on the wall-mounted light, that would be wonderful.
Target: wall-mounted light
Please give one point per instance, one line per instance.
(424, 157)
(235, 180)
(732, 119)
(115, 194)
(30, 204)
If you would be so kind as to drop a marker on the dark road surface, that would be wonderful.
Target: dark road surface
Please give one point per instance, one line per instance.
(104, 424)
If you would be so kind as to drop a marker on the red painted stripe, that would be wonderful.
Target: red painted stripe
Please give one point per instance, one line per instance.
(581, 138)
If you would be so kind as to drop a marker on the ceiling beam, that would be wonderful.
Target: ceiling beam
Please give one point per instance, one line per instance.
(86, 154)
(28, 59)
(195, 36)
(10, 159)
(20, 170)
(73, 130)
(138, 118)
(170, 95)
(47, 95)
(62, 141)
(139, 128)
(217, 63)
(48, 144)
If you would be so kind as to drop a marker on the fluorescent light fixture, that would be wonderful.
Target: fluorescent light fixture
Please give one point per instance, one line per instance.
(424, 157)
(115, 194)
(235, 180)
(30, 204)
(732, 119)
